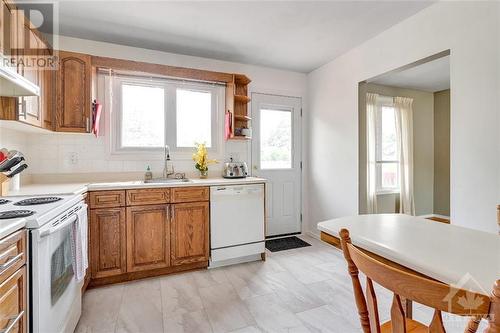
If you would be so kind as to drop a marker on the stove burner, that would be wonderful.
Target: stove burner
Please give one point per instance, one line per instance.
(4, 201)
(12, 214)
(37, 201)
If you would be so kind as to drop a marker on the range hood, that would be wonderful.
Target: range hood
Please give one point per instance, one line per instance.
(12, 84)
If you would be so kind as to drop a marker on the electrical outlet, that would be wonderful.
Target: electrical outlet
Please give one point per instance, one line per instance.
(73, 157)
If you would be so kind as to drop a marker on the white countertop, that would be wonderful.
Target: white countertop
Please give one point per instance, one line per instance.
(192, 182)
(50, 189)
(448, 253)
(79, 188)
(9, 226)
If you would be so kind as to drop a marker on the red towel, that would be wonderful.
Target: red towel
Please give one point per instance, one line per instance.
(96, 117)
(228, 125)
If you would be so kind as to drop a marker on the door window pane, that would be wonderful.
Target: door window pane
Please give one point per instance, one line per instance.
(143, 116)
(275, 139)
(194, 117)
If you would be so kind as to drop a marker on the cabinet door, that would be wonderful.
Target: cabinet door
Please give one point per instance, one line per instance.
(5, 21)
(107, 239)
(13, 302)
(148, 237)
(30, 107)
(189, 235)
(73, 92)
(48, 93)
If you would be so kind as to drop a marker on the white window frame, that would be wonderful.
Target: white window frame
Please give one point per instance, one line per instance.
(112, 87)
(383, 101)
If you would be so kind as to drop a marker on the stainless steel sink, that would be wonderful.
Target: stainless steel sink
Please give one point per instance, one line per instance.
(167, 181)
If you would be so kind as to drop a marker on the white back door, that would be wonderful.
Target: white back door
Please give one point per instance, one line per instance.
(276, 156)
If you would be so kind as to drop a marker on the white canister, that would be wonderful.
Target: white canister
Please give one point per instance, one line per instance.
(15, 183)
(246, 132)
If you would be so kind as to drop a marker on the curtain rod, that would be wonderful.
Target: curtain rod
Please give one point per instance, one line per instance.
(144, 75)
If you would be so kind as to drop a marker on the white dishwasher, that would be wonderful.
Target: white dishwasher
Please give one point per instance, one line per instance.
(236, 223)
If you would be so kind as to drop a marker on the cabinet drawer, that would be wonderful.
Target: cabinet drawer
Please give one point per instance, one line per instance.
(106, 199)
(13, 302)
(152, 196)
(12, 253)
(189, 194)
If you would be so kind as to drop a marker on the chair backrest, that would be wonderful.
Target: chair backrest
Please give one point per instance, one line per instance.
(405, 284)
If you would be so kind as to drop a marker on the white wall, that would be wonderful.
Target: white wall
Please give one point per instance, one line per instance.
(471, 31)
(51, 153)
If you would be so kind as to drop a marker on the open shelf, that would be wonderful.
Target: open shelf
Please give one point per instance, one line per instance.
(242, 118)
(241, 137)
(241, 99)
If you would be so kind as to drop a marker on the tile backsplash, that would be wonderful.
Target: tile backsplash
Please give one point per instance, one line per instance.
(61, 153)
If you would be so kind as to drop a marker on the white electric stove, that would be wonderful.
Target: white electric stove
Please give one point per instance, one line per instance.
(55, 294)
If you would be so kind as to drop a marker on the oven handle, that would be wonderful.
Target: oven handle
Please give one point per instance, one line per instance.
(50, 231)
(12, 323)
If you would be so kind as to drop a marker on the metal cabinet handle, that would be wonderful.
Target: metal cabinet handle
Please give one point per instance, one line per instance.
(12, 323)
(9, 263)
(87, 124)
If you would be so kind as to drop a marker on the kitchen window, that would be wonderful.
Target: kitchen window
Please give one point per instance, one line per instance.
(149, 113)
(386, 149)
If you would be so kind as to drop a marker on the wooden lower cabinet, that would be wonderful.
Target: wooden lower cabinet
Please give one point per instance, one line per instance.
(148, 237)
(108, 242)
(190, 233)
(13, 303)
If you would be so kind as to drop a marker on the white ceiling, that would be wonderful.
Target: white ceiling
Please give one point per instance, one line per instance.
(294, 35)
(431, 76)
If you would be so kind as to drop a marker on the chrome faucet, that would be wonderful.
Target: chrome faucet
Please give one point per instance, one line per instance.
(168, 170)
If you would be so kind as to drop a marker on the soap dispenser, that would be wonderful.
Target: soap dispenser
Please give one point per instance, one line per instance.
(148, 175)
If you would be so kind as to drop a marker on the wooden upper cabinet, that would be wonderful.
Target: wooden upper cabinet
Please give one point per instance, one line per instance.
(189, 233)
(13, 302)
(30, 110)
(73, 92)
(107, 242)
(48, 94)
(148, 237)
(5, 26)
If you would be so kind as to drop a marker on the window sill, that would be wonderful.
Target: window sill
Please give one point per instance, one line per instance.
(387, 192)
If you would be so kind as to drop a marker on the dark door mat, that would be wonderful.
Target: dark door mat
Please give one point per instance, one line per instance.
(287, 243)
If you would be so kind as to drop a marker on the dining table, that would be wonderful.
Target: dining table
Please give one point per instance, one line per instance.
(457, 256)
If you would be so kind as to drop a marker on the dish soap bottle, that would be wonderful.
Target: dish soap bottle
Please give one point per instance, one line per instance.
(148, 175)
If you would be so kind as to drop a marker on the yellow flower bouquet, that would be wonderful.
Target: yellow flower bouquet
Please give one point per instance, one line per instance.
(201, 159)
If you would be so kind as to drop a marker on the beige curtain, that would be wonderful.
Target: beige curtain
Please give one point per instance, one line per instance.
(371, 166)
(404, 133)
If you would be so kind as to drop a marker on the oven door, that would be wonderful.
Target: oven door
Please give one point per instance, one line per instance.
(56, 295)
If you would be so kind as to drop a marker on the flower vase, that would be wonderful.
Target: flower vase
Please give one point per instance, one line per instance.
(203, 174)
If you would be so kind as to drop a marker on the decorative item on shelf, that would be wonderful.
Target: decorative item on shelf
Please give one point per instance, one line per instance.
(246, 132)
(237, 131)
(201, 159)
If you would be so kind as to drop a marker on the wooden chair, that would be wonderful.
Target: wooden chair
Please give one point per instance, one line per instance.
(411, 286)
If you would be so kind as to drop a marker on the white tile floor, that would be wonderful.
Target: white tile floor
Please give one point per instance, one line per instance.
(301, 290)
